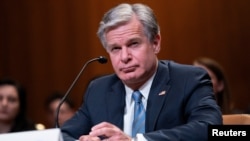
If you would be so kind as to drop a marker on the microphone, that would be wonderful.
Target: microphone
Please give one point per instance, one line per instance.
(100, 59)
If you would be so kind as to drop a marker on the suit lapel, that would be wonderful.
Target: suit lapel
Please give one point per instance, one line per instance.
(115, 99)
(157, 96)
(116, 104)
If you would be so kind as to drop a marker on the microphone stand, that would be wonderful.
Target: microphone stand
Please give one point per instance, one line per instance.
(102, 60)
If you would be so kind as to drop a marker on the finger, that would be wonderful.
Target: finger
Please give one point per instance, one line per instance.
(102, 125)
(106, 132)
(89, 138)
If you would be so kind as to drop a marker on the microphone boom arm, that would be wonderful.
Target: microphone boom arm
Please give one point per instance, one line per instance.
(101, 59)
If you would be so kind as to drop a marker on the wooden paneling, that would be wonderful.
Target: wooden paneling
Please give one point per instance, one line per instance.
(44, 43)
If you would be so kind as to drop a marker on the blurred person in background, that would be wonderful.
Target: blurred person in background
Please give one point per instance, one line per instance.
(219, 80)
(13, 108)
(67, 109)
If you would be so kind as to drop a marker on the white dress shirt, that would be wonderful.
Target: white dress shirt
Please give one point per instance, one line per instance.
(129, 108)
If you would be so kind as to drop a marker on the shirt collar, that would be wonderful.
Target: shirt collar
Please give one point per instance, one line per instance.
(144, 89)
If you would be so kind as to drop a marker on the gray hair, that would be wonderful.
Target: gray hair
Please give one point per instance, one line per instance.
(122, 14)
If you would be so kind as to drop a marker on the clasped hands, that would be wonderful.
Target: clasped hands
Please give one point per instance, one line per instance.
(106, 130)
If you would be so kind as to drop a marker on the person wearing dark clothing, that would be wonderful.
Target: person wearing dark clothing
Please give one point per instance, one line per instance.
(13, 116)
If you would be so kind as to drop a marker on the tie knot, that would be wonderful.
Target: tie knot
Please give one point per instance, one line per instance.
(137, 96)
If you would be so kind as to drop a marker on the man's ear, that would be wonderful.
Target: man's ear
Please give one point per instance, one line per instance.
(157, 43)
(220, 86)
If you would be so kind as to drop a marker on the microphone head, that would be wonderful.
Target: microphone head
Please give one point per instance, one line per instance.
(102, 60)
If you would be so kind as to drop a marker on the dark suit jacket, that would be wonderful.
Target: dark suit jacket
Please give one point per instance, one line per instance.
(183, 113)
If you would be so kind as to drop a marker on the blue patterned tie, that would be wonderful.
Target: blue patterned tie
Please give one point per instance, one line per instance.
(139, 114)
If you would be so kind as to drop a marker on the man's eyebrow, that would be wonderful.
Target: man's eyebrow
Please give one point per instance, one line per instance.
(128, 41)
(112, 45)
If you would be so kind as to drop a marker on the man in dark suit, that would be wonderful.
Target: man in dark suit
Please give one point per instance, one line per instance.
(177, 100)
